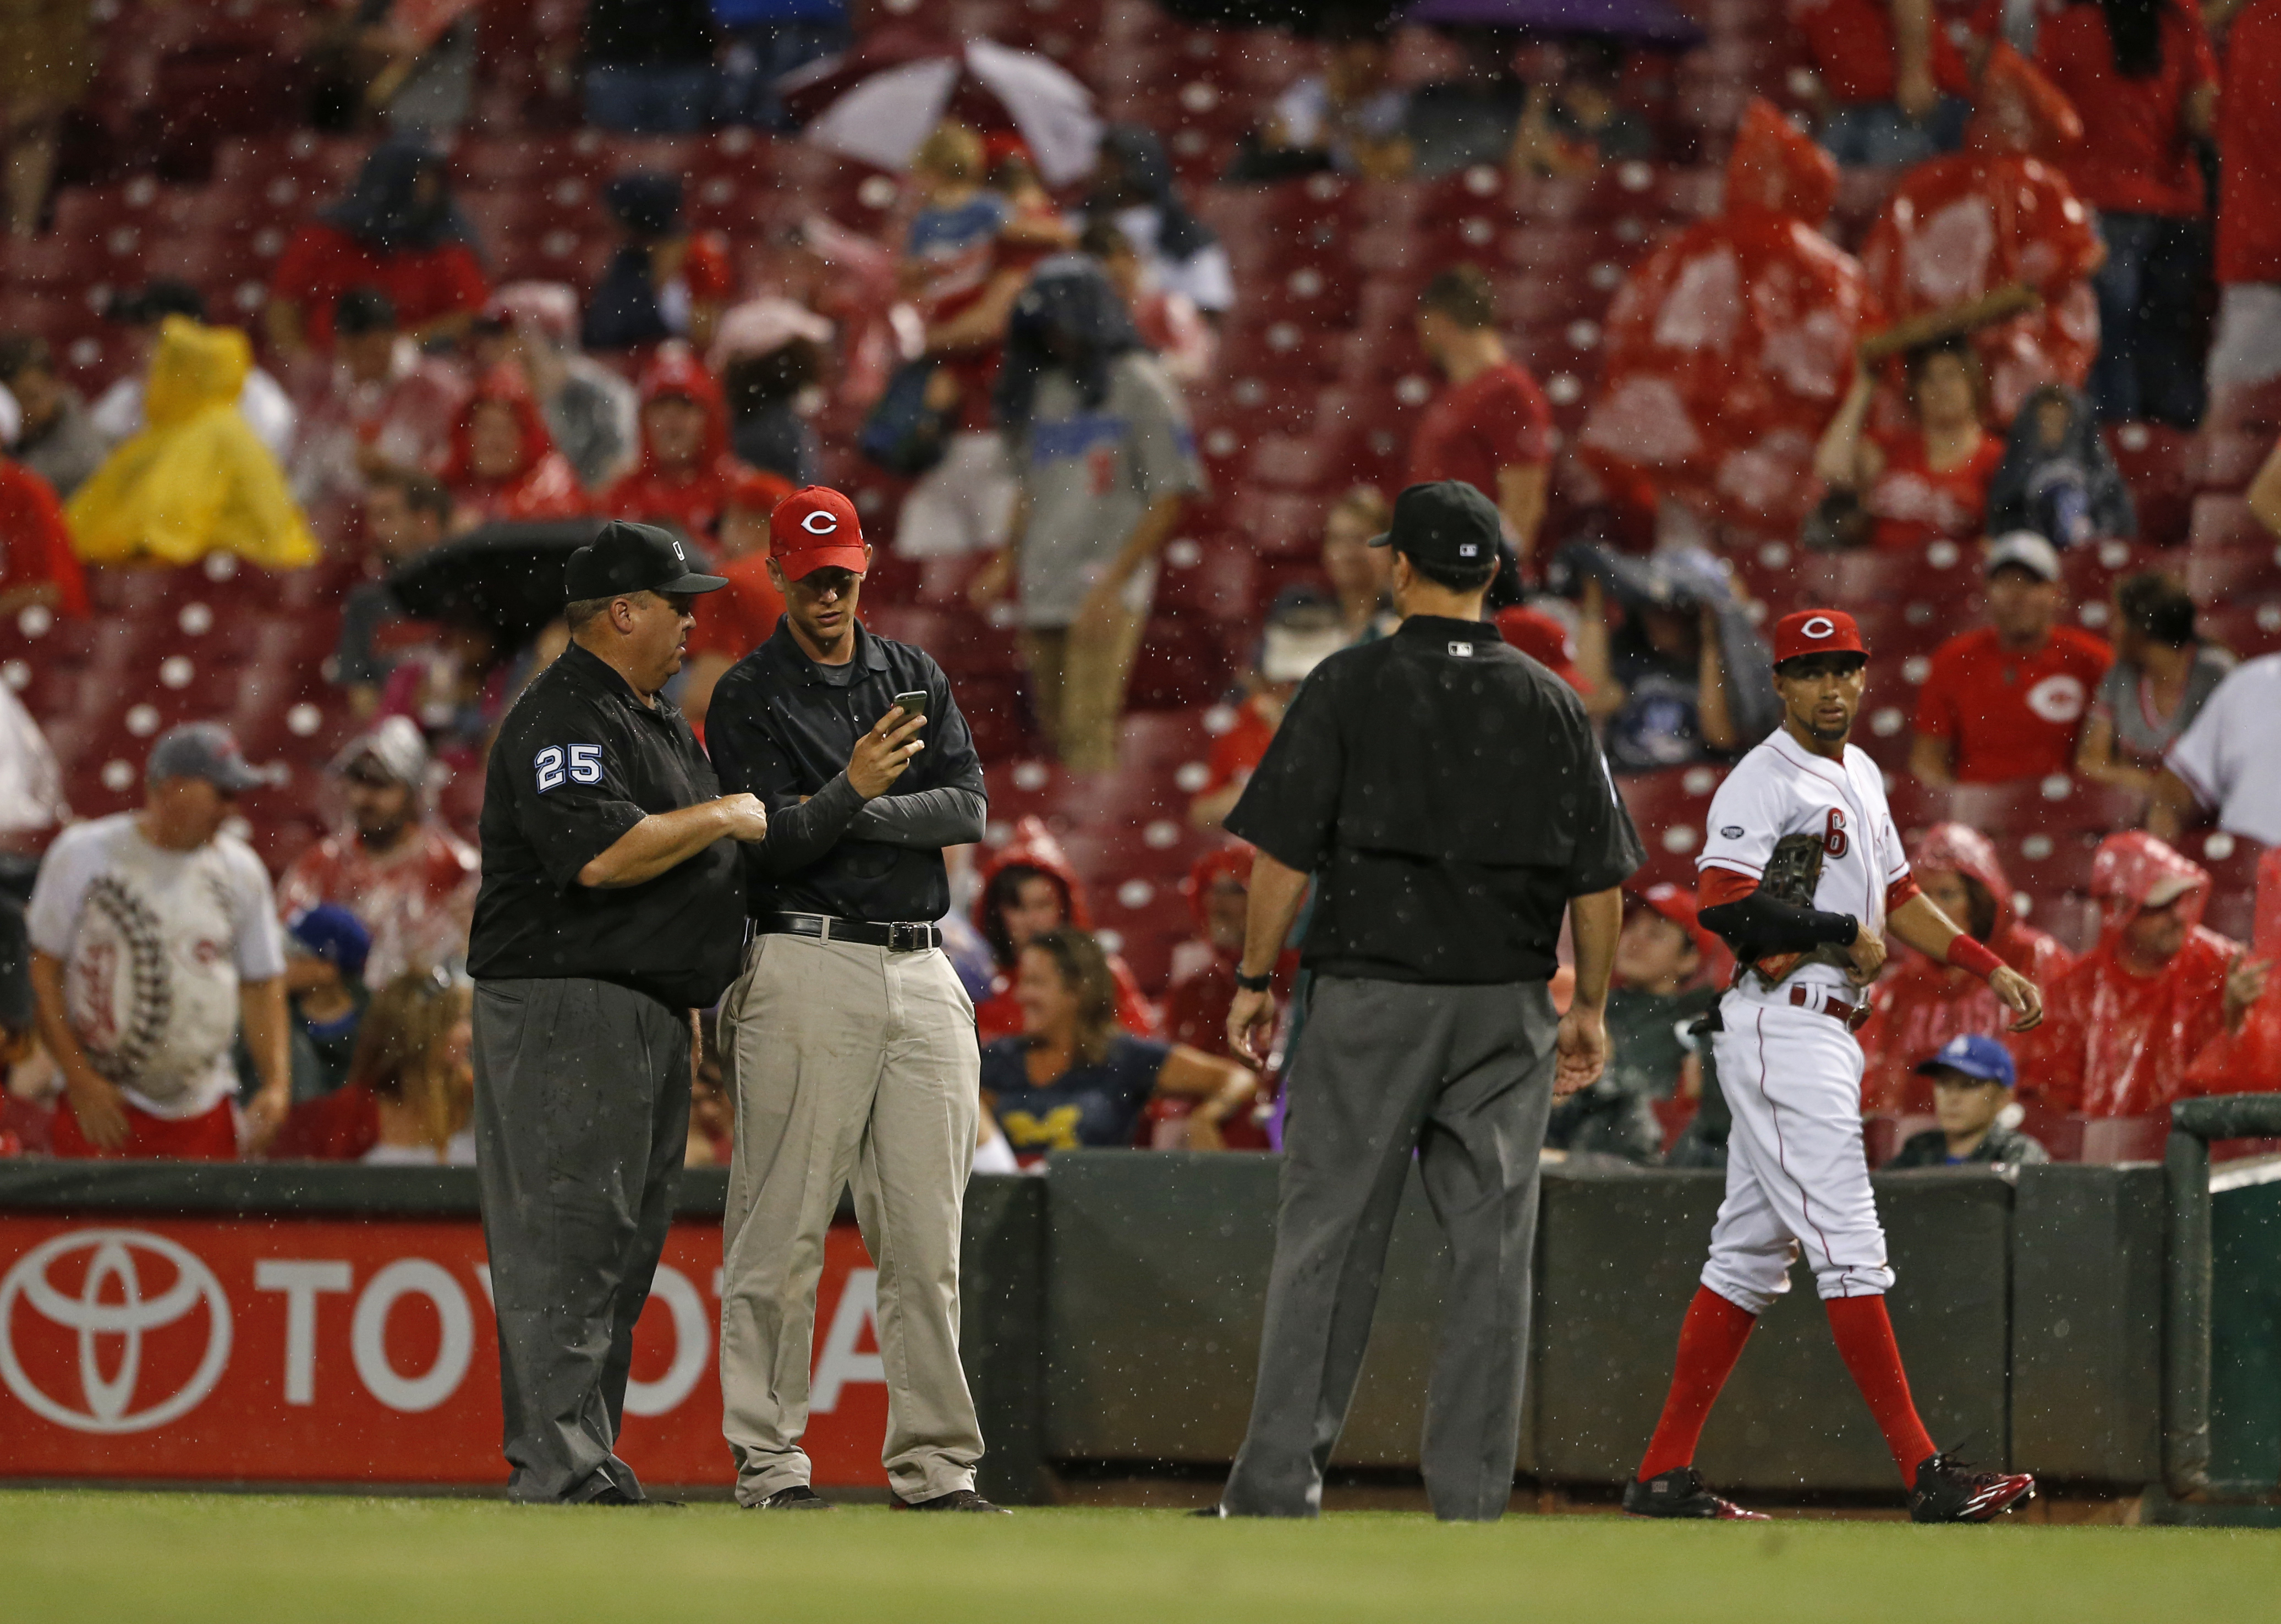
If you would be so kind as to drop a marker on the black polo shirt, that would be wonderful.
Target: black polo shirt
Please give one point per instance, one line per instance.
(579, 760)
(781, 727)
(1447, 793)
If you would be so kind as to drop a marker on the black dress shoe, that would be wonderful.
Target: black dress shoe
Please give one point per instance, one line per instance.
(799, 1497)
(1679, 1493)
(612, 1494)
(956, 1500)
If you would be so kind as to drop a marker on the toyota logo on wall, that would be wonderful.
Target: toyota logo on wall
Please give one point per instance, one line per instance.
(111, 1313)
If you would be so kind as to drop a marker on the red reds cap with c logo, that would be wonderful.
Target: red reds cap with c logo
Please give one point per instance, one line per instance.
(816, 529)
(1817, 631)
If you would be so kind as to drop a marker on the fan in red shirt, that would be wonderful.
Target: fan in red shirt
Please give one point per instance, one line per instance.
(1730, 344)
(1917, 1005)
(686, 469)
(1491, 428)
(2146, 70)
(2134, 1014)
(1891, 74)
(2248, 348)
(1998, 213)
(1303, 629)
(1028, 886)
(37, 564)
(737, 619)
(1928, 482)
(2005, 702)
(1218, 890)
(503, 464)
(398, 231)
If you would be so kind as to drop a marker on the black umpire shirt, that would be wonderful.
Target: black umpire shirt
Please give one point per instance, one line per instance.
(580, 760)
(781, 727)
(1447, 793)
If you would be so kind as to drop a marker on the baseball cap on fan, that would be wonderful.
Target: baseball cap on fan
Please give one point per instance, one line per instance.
(815, 528)
(1973, 1054)
(634, 558)
(1817, 631)
(206, 750)
(2023, 550)
(1446, 522)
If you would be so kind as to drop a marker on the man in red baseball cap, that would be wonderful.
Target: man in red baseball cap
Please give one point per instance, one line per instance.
(853, 1044)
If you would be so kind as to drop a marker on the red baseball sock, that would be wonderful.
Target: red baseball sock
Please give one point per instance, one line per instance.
(1865, 1341)
(1711, 1339)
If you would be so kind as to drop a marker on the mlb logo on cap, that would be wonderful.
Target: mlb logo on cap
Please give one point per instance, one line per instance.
(1816, 631)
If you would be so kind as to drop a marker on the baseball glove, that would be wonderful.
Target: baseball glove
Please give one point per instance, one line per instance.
(1793, 874)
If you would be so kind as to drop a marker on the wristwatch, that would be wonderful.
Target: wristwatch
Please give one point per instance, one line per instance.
(1254, 984)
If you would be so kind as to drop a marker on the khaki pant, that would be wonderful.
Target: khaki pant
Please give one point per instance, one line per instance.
(1078, 682)
(851, 1064)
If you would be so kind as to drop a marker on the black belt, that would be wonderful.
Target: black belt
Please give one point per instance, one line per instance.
(895, 938)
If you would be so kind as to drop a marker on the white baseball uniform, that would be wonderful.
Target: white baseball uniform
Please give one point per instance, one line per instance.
(1796, 1174)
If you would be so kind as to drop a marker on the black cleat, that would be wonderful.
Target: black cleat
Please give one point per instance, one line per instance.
(1680, 1493)
(1948, 1491)
(1214, 1509)
(956, 1500)
(799, 1497)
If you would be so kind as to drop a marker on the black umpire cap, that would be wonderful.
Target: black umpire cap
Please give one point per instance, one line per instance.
(1447, 522)
(636, 558)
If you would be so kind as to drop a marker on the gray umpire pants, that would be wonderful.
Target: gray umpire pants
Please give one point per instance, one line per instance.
(1463, 1076)
(852, 1064)
(582, 1124)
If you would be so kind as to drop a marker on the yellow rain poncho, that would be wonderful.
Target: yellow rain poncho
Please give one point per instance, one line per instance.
(196, 480)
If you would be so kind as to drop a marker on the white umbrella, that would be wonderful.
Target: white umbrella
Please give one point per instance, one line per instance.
(880, 112)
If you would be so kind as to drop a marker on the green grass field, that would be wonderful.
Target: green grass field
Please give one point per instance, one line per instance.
(182, 1558)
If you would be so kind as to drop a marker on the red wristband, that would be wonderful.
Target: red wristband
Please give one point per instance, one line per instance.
(1966, 954)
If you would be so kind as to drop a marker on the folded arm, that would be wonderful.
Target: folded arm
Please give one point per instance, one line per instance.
(927, 820)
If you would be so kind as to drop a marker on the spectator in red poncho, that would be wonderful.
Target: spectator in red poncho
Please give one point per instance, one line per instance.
(1729, 346)
(1027, 888)
(737, 619)
(1928, 482)
(381, 404)
(398, 230)
(2128, 1021)
(503, 464)
(1303, 629)
(1917, 1006)
(686, 469)
(1998, 213)
(2247, 1059)
(37, 564)
(2145, 70)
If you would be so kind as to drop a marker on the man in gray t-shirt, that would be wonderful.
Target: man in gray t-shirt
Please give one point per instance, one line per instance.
(1105, 457)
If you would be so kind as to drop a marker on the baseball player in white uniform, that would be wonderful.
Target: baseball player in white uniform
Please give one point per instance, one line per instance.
(1802, 873)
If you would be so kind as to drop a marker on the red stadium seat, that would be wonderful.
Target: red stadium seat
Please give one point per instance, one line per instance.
(2162, 466)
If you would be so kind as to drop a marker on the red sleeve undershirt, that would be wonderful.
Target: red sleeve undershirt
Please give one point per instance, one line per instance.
(1714, 886)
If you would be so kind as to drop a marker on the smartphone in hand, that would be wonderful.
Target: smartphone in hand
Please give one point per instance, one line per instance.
(913, 704)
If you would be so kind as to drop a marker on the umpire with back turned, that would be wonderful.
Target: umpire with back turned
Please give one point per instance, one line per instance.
(1447, 796)
(610, 909)
(850, 1040)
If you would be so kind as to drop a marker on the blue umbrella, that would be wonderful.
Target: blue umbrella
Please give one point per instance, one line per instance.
(1642, 22)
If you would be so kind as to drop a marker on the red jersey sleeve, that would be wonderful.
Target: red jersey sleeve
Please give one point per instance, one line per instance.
(1900, 891)
(1713, 886)
(1516, 422)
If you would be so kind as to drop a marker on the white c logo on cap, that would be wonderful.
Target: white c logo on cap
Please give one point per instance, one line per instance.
(830, 526)
(1820, 626)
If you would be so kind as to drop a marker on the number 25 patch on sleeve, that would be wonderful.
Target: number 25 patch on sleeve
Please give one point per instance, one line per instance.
(559, 764)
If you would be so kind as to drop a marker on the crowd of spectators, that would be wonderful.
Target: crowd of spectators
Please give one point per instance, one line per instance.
(2044, 267)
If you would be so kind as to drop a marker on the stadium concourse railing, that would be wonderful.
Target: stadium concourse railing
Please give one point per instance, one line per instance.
(2066, 1319)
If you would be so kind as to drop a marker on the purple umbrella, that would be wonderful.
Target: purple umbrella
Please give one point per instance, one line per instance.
(1642, 22)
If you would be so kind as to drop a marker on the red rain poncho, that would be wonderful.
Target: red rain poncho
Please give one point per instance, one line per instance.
(1729, 346)
(1033, 846)
(2249, 1060)
(1965, 224)
(691, 496)
(542, 486)
(1919, 1005)
(2114, 1044)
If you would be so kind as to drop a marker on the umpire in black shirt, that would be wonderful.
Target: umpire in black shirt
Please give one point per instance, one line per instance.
(850, 1041)
(1447, 796)
(610, 909)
